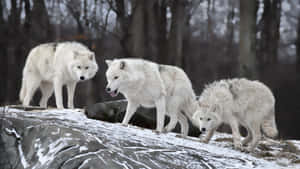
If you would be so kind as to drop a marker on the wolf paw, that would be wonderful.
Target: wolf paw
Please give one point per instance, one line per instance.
(248, 149)
(124, 125)
(158, 132)
(164, 130)
(204, 141)
(238, 146)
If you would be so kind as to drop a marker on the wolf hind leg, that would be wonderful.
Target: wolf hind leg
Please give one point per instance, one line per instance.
(256, 136)
(32, 83)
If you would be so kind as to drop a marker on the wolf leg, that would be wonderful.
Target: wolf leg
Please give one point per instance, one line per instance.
(161, 112)
(172, 124)
(256, 136)
(130, 110)
(236, 134)
(248, 137)
(184, 124)
(58, 93)
(32, 83)
(209, 135)
(47, 90)
(71, 90)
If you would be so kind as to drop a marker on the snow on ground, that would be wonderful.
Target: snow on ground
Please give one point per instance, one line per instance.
(218, 153)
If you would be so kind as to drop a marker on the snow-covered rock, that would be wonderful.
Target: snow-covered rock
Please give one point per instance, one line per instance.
(52, 138)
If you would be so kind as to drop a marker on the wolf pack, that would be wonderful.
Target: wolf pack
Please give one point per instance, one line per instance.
(236, 102)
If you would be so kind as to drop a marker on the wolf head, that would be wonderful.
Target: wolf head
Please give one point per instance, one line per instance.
(83, 66)
(118, 76)
(207, 118)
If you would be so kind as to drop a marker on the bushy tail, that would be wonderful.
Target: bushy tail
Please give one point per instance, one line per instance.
(22, 91)
(269, 126)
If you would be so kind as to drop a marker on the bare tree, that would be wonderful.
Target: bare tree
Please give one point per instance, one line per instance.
(269, 25)
(74, 8)
(41, 28)
(298, 44)
(247, 53)
(176, 32)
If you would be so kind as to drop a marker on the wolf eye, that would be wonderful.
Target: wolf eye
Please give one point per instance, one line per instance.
(86, 67)
(208, 119)
(79, 67)
(116, 77)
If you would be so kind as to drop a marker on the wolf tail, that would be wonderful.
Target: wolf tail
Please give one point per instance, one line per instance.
(23, 90)
(269, 125)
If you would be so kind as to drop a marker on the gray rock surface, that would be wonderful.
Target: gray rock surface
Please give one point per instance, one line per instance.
(67, 139)
(114, 111)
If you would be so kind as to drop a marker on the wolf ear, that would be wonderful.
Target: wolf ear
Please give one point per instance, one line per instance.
(91, 56)
(108, 62)
(122, 65)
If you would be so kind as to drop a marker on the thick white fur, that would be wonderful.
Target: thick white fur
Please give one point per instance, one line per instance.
(52, 65)
(237, 102)
(144, 83)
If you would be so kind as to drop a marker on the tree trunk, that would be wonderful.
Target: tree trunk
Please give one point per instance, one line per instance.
(209, 21)
(151, 29)
(298, 45)
(176, 32)
(270, 24)
(14, 17)
(229, 58)
(122, 25)
(27, 22)
(247, 55)
(41, 28)
(162, 31)
(136, 30)
(1, 14)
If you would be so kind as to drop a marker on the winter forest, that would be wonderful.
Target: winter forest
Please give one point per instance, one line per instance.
(209, 39)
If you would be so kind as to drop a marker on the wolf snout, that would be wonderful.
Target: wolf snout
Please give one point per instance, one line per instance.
(113, 93)
(203, 130)
(82, 77)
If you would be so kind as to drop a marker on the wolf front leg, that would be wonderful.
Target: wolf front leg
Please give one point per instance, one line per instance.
(160, 113)
(130, 110)
(209, 135)
(236, 133)
(58, 93)
(71, 90)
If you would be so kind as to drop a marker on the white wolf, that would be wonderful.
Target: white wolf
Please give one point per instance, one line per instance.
(52, 65)
(237, 102)
(144, 83)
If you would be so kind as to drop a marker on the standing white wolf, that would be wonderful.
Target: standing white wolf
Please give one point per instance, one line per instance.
(144, 83)
(237, 102)
(52, 65)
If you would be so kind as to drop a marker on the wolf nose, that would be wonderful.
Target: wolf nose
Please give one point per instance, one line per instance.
(203, 129)
(108, 89)
(81, 77)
